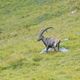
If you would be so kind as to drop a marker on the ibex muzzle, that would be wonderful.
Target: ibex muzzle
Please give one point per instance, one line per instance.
(49, 42)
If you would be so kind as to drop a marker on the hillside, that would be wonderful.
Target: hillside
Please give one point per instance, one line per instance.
(20, 23)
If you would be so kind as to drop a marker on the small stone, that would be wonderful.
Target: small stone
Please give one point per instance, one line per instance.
(66, 39)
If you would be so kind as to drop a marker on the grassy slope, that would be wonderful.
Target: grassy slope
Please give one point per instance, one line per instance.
(20, 21)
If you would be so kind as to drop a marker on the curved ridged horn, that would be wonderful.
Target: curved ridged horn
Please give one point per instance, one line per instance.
(45, 30)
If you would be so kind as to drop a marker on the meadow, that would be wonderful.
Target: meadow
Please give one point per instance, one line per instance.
(20, 23)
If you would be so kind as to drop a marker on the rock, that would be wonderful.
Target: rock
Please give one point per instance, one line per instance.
(51, 49)
(66, 39)
(44, 50)
(63, 49)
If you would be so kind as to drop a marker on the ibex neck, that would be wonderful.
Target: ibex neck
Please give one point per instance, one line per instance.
(44, 41)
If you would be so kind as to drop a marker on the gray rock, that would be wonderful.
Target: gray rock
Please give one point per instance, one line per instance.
(66, 39)
(64, 50)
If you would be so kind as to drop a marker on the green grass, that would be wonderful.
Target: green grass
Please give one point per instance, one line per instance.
(20, 23)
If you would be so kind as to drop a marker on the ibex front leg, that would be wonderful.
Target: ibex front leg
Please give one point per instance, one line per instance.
(47, 49)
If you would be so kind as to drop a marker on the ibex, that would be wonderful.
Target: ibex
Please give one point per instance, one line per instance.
(49, 42)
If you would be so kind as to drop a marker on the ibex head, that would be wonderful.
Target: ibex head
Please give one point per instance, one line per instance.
(41, 33)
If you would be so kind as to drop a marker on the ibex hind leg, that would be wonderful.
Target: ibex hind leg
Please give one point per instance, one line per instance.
(58, 46)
